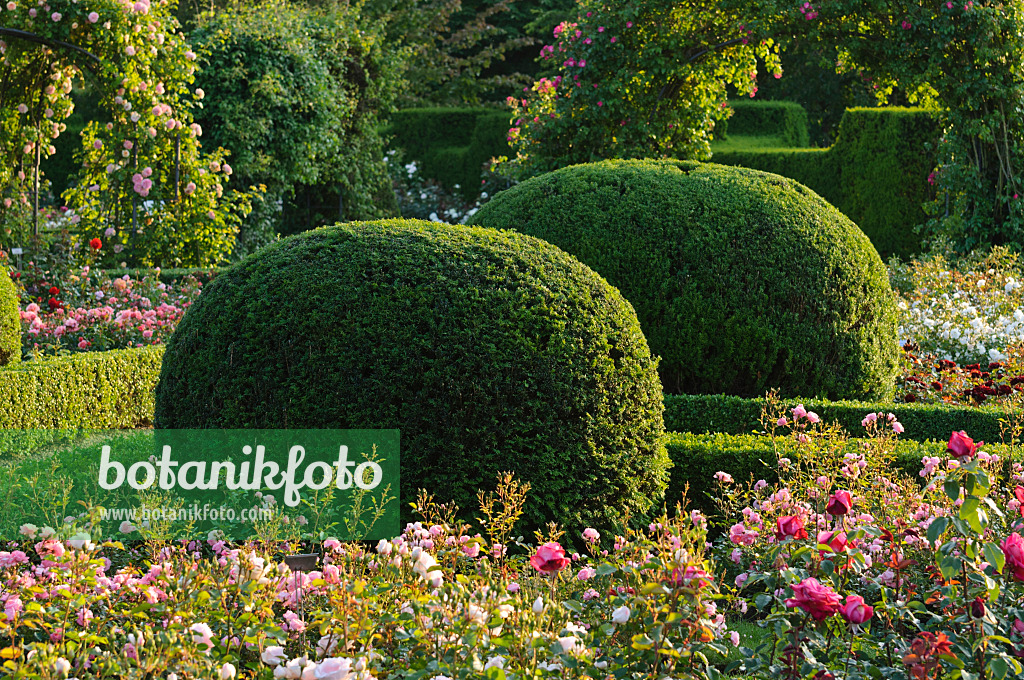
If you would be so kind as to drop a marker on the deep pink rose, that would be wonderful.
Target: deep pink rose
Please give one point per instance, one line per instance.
(836, 541)
(855, 610)
(790, 526)
(549, 559)
(839, 503)
(961, 446)
(1013, 548)
(817, 600)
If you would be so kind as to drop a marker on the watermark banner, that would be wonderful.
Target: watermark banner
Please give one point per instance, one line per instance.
(172, 484)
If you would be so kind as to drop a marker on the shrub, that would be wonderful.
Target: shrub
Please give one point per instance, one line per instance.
(733, 416)
(10, 321)
(91, 390)
(296, 94)
(742, 280)
(877, 173)
(490, 351)
(787, 120)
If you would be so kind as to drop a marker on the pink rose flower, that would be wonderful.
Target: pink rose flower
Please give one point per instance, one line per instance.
(549, 559)
(961, 446)
(855, 610)
(814, 598)
(839, 503)
(1013, 548)
(791, 526)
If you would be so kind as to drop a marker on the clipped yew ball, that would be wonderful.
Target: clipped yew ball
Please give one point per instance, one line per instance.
(490, 351)
(10, 321)
(742, 280)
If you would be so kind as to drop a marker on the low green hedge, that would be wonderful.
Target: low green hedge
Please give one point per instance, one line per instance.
(734, 415)
(95, 390)
(451, 145)
(787, 120)
(696, 458)
(876, 173)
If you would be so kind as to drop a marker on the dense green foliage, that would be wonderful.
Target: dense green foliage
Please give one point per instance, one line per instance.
(451, 145)
(878, 173)
(10, 320)
(634, 80)
(297, 95)
(89, 390)
(965, 59)
(809, 78)
(696, 458)
(742, 280)
(787, 120)
(735, 415)
(490, 351)
(132, 172)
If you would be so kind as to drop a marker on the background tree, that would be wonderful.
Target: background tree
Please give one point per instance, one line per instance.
(297, 94)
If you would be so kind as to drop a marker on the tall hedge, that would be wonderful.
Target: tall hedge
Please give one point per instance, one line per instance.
(876, 173)
(786, 120)
(451, 144)
(10, 320)
(488, 350)
(742, 280)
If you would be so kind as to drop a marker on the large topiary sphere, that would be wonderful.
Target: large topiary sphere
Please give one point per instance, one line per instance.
(742, 280)
(489, 350)
(10, 321)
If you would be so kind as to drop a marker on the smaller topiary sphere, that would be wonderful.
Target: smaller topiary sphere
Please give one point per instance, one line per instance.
(490, 351)
(742, 280)
(10, 321)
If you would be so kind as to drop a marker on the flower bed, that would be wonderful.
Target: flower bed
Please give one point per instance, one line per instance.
(846, 568)
(968, 315)
(90, 311)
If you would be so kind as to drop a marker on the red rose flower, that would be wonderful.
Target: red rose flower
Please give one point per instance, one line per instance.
(817, 600)
(549, 559)
(961, 446)
(54, 304)
(790, 526)
(96, 244)
(855, 610)
(54, 290)
(1013, 548)
(840, 503)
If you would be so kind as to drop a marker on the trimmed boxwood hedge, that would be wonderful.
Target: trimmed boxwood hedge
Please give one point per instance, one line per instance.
(451, 144)
(786, 120)
(93, 390)
(488, 350)
(10, 321)
(696, 458)
(733, 415)
(876, 173)
(742, 280)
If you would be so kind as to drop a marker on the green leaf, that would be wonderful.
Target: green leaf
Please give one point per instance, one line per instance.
(994, 556)
(936, 529)
(950, 567)
(952, 489)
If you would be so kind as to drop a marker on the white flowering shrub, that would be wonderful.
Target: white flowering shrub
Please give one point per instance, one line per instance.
(969, 313)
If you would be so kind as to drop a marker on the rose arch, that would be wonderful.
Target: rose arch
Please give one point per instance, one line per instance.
(145, 184)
